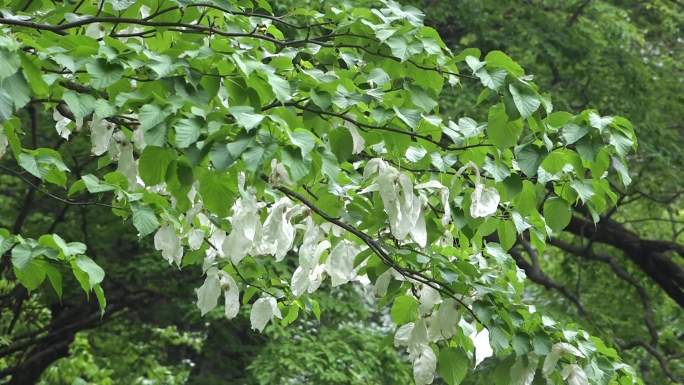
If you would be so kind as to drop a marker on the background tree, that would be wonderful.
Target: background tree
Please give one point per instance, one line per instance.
(627, 57)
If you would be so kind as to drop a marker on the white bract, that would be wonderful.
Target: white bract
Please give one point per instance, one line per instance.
(127, 164)
(557, 350)
(278, 233)
(309, 275)
(3, 143)
(209, 292)
(100, 134)
(195, 239)
(485, 201)
(358, 143)
(340, 264)
(574, 375)
(404, 208)
(522, 372)
(218, 281)
(166, 241)
(443, 322)
(424, 365)
(443, 196)
(245, 223)
(61, 124)
(414, 336)
(231, 294)
(483, 349)
(264, 310)
(428, 298)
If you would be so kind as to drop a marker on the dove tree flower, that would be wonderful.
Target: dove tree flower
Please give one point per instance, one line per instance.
(269, 153)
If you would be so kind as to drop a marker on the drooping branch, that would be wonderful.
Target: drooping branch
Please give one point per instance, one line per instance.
(36, 187)
(379, 251)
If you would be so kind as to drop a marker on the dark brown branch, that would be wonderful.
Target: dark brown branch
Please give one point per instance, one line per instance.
(662, 361)
(649, 255)
(53, 196)
(622, 274)
(536, 275)
(578, 11)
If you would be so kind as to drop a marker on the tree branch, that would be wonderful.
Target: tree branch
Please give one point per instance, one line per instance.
(379, 251)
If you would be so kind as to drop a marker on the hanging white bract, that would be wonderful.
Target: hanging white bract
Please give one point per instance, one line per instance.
(404, 208)
(167, 241)
(264, 310)
(245, 225)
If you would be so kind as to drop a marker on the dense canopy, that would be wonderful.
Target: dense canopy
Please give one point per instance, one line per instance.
(287, 165)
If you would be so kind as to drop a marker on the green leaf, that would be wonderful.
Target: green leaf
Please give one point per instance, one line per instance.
(6, 241)
(22, 255)
(557, 213)
(187, 132)
(32, 275)
(16, 87)
(501, 374)
(421, 99)
(150, 115)
(103, 74)
(298, 167)
(341, 143)
(280, 87)
(584, 189)
(498, 338)
(559, 119)
(501, 60)
(556, 161)
(304, 139)
(292, 314)
(11, 63)
(55, 278)
(245, 117)
(81, 105)
(410, 117)
(81, 276)
(404, 309)
(33, 75)
(153, 164)
(93, 184)
(501, 132)
(6, 105)
(29, 163)
(69, 249)
(525, 101)
(144, 220)
(399, 47)
(529, 158)
(101, 299)
(216, 193)
(573, 132)
(253, 158)
(162, 65)
(507, 234)
(92, 269)
(622, 171)
(453, 365)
